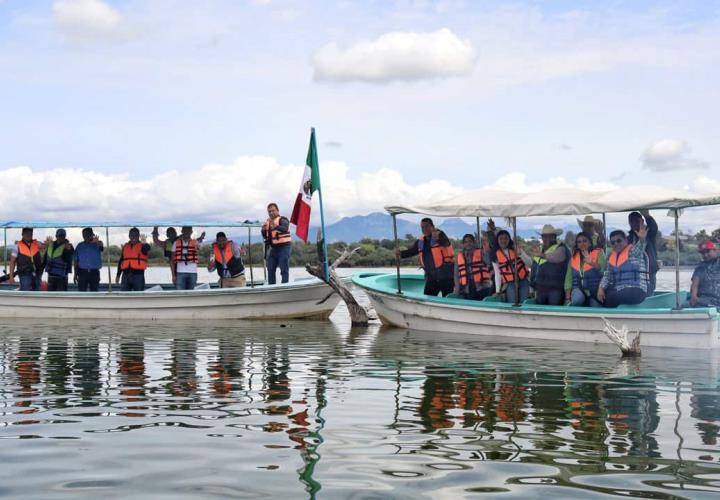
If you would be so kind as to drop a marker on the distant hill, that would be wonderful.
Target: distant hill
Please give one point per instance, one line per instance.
(378, 225)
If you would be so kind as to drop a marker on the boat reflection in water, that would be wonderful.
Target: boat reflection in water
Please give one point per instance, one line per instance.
(289, 410)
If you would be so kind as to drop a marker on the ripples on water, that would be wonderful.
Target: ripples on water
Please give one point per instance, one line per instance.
(287, 411)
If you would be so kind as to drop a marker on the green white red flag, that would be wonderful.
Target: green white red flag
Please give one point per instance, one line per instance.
(310, 183)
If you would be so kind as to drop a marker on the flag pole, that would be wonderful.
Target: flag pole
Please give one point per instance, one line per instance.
(322, 211)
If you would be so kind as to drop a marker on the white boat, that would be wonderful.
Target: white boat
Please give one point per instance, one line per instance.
(311, 299)
(399, 299)
(308, 298)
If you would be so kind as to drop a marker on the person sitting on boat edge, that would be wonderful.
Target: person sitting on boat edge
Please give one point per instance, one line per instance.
(635, 219)
(58, 262)
(705, 287)
(27, 256)
(473, 273)
(503, 253)
(584, 272)
(186, 255)
(133, 263)
(278, 244)
(549, 268)
(227, 261)
(625, 280)
(437, 258)
(594, 228)
(88, 261)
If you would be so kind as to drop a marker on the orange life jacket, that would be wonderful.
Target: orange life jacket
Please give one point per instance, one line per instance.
(29, 258)
(133, 257)
(27, 250)
(480, 270)
(277, 237)
(506, 268)
(589, 277)
(191, 249)
(225, 260)
(441, 254)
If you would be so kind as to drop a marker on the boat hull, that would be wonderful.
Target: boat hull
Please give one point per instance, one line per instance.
(311, 300)
(659, 328)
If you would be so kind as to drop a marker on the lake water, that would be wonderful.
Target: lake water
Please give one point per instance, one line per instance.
(300, 409)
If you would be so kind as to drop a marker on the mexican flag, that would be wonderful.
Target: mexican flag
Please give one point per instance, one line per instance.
(310, 183)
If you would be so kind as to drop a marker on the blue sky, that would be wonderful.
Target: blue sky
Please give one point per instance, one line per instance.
(412, 95)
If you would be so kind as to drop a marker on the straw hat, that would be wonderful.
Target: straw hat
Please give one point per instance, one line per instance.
(589, 219)
(549, 229)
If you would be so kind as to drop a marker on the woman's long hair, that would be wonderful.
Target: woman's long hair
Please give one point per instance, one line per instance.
(511, 243)
(583, 233)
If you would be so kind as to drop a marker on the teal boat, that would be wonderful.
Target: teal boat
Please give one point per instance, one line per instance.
(399, 299)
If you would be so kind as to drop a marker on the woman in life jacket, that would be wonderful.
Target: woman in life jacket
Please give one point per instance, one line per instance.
(507, 260)
(584, 272)
(473, 273)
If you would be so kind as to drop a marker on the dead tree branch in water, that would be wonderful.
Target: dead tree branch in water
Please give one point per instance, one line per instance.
(358, 314)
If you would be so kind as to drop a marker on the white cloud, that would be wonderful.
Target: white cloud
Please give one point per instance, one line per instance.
(396, 56)
(241, 190)
(83, 20)
(667, 155)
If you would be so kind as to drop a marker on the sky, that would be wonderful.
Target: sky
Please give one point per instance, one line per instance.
(169, 109)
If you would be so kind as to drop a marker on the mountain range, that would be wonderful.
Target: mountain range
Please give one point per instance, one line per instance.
(378, 225)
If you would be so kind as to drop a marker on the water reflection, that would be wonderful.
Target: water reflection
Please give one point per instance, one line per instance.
(308, 408)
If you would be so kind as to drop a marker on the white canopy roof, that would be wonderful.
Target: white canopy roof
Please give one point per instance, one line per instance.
(560, 201)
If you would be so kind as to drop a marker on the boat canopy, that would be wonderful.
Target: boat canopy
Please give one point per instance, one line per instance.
(558, 201)
(178, 224)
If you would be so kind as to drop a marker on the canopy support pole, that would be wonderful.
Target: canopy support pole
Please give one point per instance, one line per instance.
(677, 258)
(397, 255)
(514, 264)
(604, 232)
(250, 256)
(5, 251)
(479, 236)
(107, 242)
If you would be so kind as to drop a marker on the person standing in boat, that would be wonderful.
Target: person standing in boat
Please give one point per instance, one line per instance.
(88, 261)
(635, 219)
(133, 263)
(705, 287)
(508, 261)
(437, 258)
(227, 261)
(473, 273)
(626, 278)
(549, 268)
(276, 233)
(26, 255)
(168, 244)
(584, 273)
(58, 262)
(186, 255)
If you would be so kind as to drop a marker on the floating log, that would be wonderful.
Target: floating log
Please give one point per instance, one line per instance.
(619, 337)
(358, 314)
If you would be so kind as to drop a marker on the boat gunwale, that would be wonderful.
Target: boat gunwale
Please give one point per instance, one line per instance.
(102, 294)
(365, 280)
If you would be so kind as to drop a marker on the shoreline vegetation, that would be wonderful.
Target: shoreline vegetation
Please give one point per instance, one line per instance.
(381, 252)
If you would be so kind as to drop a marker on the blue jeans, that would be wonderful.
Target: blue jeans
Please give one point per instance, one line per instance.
(279, 256)
(185, 281)
(549, 297)
(579, 299)
(524, 292)
(29, 282)
(132, 282)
